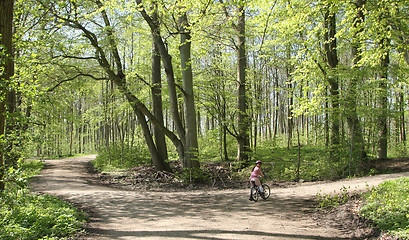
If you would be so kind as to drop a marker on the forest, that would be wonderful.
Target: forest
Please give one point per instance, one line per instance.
(315, 87)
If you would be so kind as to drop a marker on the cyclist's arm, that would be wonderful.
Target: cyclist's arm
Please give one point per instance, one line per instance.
(260, 173)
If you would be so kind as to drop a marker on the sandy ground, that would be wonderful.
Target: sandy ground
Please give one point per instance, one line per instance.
(198, 214)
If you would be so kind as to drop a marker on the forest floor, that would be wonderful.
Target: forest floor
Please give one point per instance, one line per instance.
(119, 209)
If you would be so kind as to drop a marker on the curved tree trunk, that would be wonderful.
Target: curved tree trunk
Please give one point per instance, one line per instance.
(189, 138)
(115, 73)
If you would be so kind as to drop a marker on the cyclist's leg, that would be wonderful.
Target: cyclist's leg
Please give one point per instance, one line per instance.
(258, 184)
(252, 186)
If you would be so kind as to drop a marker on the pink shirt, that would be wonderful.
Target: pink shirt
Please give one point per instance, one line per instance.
(256, 172)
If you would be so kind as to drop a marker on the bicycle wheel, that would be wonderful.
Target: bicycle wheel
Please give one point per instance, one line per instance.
(266, 190)
(254, 194)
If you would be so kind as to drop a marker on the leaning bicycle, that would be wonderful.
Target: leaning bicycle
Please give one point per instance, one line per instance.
(255, 191)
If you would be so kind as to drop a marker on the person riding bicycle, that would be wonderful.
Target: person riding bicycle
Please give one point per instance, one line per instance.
(254, 178)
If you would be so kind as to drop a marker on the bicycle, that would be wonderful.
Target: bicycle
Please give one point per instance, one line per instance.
(255, 191)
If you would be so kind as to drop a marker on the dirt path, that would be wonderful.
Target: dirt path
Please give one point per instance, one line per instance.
(221, 214)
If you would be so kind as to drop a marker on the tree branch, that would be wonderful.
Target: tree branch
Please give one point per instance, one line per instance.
(75, 77)
(74, 57)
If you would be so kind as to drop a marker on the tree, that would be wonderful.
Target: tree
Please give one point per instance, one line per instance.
(258, 69)
(330, 47)
(355, 129)
(157, 94)
(243, 119)
(115, 72)
(188, 136)
(192, 145)
(382, 31)
(6, 72)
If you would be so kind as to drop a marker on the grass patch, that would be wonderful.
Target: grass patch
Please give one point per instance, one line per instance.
(388, 207)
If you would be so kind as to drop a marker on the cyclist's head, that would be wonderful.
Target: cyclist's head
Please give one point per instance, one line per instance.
(258, 162)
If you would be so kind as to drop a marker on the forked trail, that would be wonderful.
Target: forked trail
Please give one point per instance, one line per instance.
(199, 214)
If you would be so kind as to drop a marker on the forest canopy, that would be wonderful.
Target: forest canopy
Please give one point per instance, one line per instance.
(197, 81)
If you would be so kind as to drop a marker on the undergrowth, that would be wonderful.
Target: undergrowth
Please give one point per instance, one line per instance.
(115, 157)
(388, 207)
(25, 215)
(28, 216)
(330, 201)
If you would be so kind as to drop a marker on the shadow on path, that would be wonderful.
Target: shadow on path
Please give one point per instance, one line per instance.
(204, 234)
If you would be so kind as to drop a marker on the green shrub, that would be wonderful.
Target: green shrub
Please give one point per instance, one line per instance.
(116, 159)
(388, 207)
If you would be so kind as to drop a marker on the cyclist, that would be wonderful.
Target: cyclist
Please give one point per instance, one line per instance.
(255, 173)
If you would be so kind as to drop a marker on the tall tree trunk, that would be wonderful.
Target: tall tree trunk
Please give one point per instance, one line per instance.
(355, 130)
(7, 66)
(243, 118)
(191, 147)
(276, 105)
(157, 101)
(402, 116)
(71, 127)
(330, 46)
(384, 44)
(383, 102)
(290, 97)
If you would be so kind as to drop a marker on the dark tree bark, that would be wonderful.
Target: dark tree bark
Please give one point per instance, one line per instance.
(330, 46)
(6, 71)
(188, 138)
(383, 102)
(157, 108)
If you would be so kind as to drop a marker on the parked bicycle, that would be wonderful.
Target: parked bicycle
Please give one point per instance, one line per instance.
(255, 191)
